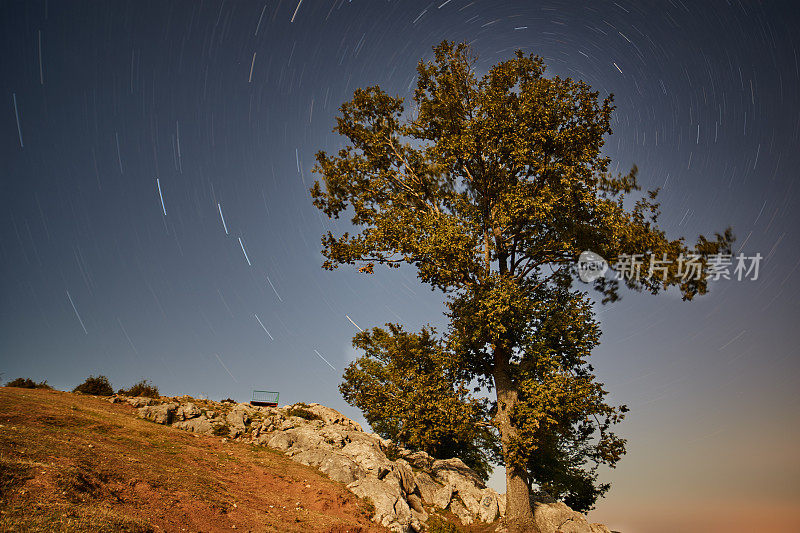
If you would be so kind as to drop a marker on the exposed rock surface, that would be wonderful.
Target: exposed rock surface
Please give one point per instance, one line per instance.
(404, 490)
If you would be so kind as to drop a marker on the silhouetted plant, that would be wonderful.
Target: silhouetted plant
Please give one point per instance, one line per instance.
(99, 386)
(28, 383)
(142, 388)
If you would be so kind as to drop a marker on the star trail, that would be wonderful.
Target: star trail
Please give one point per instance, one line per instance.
(224, 104)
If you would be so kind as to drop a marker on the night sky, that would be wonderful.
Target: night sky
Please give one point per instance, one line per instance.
(155, 160)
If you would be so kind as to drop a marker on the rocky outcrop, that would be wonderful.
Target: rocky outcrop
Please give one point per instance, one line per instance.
(404, 490)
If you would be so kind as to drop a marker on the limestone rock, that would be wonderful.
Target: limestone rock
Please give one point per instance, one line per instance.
(461, 512)
(160, 414)
(391, 510)
(281, 441)
(368, 456)
(432, 492)
(330, 417)
(341, 468)
(556, 517)
(406, 476)
(187, 411)
(200, 424)
(399, 489)
(141, 401)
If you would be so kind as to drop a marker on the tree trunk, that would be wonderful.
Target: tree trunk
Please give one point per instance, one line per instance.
(519, 515)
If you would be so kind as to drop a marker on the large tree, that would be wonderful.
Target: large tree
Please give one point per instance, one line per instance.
(492, 186)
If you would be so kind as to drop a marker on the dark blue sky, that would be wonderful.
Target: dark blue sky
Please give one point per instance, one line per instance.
(222, 106)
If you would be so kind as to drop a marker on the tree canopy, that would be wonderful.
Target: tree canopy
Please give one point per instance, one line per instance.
(491, 187)
(412, 391)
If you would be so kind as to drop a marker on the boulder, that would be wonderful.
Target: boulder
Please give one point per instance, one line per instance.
(552, 516)
(341, 468)
(281, 441)
(489, 508)
(306, 438)
(461, 512)
(334, 436)
(330, 416)
(420, 459)
(200, 424)
(415, 502)
(391, 510)
(141, 401)
(187, 411)
(368, 456)
(455, 472)
(238, 418)
(433, 493)
(406, 476)
(311, 457)
(160, 414)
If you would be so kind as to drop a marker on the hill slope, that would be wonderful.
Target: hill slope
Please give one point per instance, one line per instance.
(78, 463)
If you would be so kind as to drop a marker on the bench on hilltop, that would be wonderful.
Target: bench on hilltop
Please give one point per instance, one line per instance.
(265, 398)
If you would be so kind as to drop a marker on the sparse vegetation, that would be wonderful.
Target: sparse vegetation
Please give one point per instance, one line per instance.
(28, 383)
(222, 430)
(98, 386)
(300, 410)
(392, 452)
(436, 524)
(72, 462)
(12, 474)
(142, 388)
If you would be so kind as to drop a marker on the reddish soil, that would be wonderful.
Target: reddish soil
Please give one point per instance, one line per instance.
(70, 462)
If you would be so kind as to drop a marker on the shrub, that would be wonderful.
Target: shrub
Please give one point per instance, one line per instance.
(438, 525)
(392, 452)
(300, 411)
(221, 430)
(143, 388)
(228, 400)
(28, 383)
(99, 386)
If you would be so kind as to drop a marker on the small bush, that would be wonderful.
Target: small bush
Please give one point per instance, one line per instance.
(143, 388)
(302, 412)
(228, 400)
(367, 508)
(392, 452)
(437, 524)
(99, 386)
(28, 383)
(223, 430)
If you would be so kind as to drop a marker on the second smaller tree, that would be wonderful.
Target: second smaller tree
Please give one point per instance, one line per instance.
(412, 392)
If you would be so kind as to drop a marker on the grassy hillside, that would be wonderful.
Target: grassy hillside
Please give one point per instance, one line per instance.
(78, 463)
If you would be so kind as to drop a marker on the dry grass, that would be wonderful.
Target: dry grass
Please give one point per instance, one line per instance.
(72, 462)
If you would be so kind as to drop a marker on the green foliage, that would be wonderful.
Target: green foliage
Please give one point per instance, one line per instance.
(28, 383)
(299, 410)
(221, 430)
(99, 386)
(142, 388)
(437, 524)
(410, 392)
(491, 189)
